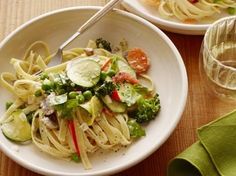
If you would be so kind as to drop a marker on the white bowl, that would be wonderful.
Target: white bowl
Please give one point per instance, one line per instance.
(172, 25)
(167, 71)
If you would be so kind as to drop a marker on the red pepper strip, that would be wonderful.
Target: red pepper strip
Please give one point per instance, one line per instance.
(105, 65)
(115, 95)
(193, 1)
(73, 135)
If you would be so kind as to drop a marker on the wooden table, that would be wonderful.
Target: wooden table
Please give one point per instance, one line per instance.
(200, 108)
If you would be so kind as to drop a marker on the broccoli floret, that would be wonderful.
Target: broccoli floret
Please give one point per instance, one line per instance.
(135, 129)
(105, 89)
(147, 109)
(101, 43)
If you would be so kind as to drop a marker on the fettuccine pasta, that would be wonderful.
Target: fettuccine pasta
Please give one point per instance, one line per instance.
(93, 100)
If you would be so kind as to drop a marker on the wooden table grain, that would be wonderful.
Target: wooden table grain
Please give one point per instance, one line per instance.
(201, 107)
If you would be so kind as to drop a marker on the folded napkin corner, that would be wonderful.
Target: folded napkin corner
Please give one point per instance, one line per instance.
(213, 155)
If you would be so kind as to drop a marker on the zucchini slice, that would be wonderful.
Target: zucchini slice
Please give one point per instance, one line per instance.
(124, 67)
(114, 105)
(85, 72)
(18, 129)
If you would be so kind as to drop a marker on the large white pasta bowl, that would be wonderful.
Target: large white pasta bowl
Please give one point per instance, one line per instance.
(167, 71)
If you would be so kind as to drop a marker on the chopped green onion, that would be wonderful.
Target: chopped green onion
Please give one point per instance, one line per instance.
(38, 93)
(231, 10)
(80, 98)
(73, 94)
(8, 104)
(87, 95)
(75, 157)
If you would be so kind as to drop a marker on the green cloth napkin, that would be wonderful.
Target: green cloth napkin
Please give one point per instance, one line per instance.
(213, 155)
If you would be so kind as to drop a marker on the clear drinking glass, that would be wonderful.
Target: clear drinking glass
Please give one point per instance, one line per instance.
(218, 58)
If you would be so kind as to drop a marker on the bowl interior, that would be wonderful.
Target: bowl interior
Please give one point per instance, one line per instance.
(167, 71)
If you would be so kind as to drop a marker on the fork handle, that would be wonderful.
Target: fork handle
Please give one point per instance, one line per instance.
(97, 16)
(94, 19)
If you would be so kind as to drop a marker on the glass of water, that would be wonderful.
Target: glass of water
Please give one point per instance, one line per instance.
(218, 58)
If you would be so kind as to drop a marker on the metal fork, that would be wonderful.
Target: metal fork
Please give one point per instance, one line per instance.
(57, 58)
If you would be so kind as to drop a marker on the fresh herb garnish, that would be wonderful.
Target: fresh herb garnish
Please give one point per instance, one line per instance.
(8, 104)
(101, 43)
(75, 158)
(105, 89)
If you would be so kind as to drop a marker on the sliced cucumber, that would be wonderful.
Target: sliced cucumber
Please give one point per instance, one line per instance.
(114, 105)
(85, 72)
(124, 67)
(56, 100)
(18, 129)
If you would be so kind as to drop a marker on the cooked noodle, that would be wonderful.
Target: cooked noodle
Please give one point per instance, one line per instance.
(103, 132)
(186, 10)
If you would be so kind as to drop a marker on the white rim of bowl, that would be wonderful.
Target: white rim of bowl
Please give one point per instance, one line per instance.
(154, 147)
(167, 23)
